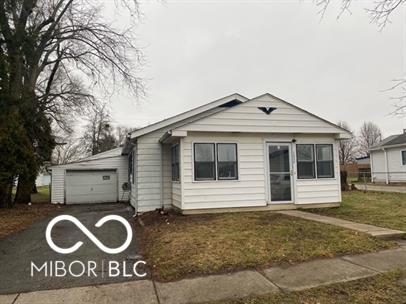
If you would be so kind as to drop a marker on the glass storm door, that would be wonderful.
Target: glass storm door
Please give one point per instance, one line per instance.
(280, 168)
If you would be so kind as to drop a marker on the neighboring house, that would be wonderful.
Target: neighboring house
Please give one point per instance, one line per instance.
(251, 154)
(95, 179)
(359, 169)
(388, 159)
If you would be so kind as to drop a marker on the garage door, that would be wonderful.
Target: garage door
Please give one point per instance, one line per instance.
(91, 186)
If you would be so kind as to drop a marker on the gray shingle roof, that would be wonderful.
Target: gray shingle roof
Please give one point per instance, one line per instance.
(397, 139)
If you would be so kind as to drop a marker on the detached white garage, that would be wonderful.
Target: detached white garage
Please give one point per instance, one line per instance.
(96, 179)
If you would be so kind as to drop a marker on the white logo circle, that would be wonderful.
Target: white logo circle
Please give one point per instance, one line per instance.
(90, 235)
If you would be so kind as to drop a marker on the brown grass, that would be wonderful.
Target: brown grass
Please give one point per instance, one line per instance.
(389, 288)
(22, 215)
(178, 246)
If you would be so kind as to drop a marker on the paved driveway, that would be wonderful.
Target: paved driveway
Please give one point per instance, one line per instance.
(20, 249)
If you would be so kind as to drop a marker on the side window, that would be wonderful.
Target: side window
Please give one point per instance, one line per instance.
(227, 161)
(325, 163)
(175, 163)
(305, 161)
(404, 158)
(204, 161)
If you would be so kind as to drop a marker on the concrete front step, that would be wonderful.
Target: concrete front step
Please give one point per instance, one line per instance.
(378, 232)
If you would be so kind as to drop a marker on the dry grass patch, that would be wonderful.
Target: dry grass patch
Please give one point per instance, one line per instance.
(382, 209)
(381, 289)
(22, 216)
(177, 246)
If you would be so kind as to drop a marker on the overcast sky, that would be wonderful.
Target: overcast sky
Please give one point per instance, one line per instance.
(199, 51)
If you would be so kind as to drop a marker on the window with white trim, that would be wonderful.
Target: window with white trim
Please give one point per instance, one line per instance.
(175, 163)
(305, 161)
(325, 163)
(204, 161)
(403, 157)
(314, 161)
(215, 161)
(227, 161)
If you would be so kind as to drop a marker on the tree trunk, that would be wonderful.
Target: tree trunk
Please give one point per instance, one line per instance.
(34, 188)
(6, 200)
(24, 188)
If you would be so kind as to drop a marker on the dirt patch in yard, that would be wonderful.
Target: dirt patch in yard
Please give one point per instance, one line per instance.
(177, 246)
(23, 215)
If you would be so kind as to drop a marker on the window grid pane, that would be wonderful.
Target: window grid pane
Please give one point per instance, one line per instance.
(403, 158)
(175, 163)
(325, 162)
(204, 161)
(227, 161)
(305, 161)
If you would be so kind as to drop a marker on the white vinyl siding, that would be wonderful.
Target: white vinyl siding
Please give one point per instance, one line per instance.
(252, 189)
(378, 166)
(246, 117)
(149, 179)
(177, 194)
(397, 171)
(248, 191)
(118, 162)
(58, 185)
(318, 190)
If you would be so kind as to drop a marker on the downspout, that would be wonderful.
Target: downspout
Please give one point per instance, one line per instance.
(162, 177)
(386, 166)
(371, 163)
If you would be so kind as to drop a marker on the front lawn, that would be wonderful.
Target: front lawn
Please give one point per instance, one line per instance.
(177, 246)
(23, 215)
(385, 288)
(382, 209)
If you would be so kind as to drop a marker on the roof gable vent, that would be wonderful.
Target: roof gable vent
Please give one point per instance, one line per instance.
(267, 110)
(230, 104)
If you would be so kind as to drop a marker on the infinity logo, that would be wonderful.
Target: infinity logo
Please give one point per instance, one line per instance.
(88, 234)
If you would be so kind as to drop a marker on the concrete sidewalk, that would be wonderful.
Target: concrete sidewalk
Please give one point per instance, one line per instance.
(381, 188)
(379, 232)
(227, 286)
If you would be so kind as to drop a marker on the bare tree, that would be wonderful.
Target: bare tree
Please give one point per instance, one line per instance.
(67, 150)
(99, 134)
(369, 135)
(380, 12)
(48, 50)
(122, 133)
(347, 147)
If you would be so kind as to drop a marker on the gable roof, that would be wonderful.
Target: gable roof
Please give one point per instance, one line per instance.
(222, 103)
(232, 119)
(106, 154)
(393, 140)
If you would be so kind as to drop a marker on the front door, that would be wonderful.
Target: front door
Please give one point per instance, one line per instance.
(280, 168)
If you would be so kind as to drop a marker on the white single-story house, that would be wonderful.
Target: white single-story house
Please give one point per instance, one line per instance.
(234, 153)
(388, 159)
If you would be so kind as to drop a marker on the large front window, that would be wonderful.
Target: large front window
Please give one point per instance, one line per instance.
(314, 161)
(215, 161)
